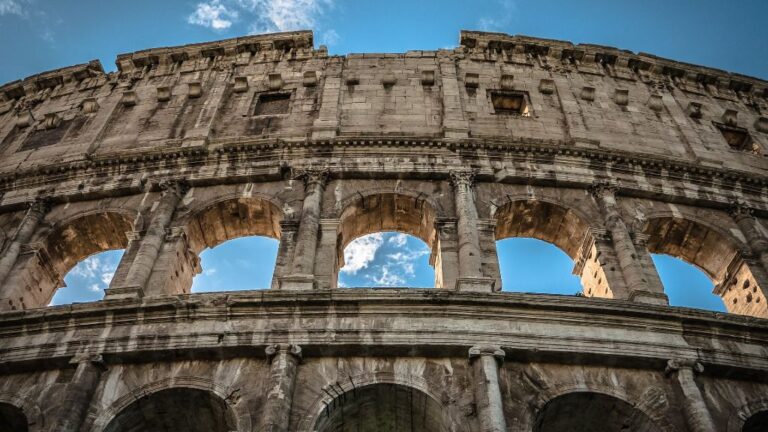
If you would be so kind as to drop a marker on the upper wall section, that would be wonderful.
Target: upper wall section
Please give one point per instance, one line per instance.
(492, 88)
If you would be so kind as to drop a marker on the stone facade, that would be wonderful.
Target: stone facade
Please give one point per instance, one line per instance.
(607, 154)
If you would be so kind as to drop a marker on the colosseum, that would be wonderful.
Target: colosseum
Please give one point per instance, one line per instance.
(607, 154)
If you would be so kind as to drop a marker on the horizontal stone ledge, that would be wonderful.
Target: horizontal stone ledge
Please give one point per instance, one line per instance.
(244, 304)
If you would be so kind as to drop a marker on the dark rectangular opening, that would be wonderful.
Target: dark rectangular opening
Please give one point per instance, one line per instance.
(736, 137)
(272, 104)
(510, 103)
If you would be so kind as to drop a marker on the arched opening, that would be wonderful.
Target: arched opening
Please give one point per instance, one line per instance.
(387, 217)
(383, 408)
(756, 423)
(686, 285)
(39, 272)
(387, 259)
(589, 412)
(535, 266)
(232, 245)
(88, 279)
(176, 409)
(12, 419)
(559, 227)
(713, 253)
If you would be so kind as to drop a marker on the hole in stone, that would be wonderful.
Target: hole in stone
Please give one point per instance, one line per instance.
(272, 104)
(88, 279)
(514, 103)
(736, 137)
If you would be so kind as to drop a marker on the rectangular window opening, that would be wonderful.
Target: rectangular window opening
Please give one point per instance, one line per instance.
(510, 103)
(736, 137)
(272, 104)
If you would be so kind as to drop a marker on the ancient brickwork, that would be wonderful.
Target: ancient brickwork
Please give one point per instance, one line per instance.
(609, 155)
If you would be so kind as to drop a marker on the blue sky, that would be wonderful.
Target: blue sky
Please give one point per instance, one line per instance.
(39, 35)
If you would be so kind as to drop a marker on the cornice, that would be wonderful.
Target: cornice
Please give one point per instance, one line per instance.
(540, 151)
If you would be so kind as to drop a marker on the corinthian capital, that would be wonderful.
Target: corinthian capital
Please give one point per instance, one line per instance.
(463, 178)
(740, 210)
(40, 205)
(604, 189)
(312, 176)
(276, 349)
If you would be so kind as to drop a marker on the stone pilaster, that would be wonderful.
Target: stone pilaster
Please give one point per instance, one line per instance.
(744, 218)
(302, 274)
(35, 213)
(78, 394)
(486, 229)
(288, 229)
(327, 123)
(445, 257)
(284, 362)
(329, 258)
(152, 241)
(637, 285)
(485, 362)
(695, 410)
(471, 277)
(455, 125)
(597, 267)
(656, 294)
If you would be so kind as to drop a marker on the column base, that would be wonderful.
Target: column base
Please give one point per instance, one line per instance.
(475, 284)
(649, 297)
(297, 282)
(124, 293)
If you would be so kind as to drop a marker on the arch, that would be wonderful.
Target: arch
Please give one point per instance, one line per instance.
(432, 394)
(40, 270)
(238, 416)
(388, 212)
(718, 254)
(563, 227)
(12, 419)
(585, 411)
(172, 409)
(28, 408)
(748, 417)
(218, 221)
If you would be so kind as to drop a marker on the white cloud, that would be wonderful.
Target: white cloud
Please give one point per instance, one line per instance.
(387, 278)
(88, 267)
(94, 288)
(361, 252)
(210, 271)
(213, 14)
(106, 277)
(11, 7)
(284, 15)
(329, 37)
(505, 14)
(398, 239)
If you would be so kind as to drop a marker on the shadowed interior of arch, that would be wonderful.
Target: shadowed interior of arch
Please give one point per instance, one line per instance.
(387, 259)
(383, 408)
(176, 409)
(12, 419)
(756, 423)
(589, 412)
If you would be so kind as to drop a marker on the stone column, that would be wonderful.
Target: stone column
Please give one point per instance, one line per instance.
(35, 213)
(152, 241)
(470, 259)
(744, 218)
(285, 249)
(695, 410)
(284, 360)
(76, 399)
(485, 362)
(302, 274)
(637, 285)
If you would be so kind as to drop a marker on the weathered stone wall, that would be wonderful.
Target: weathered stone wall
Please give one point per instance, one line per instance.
(609, 155)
